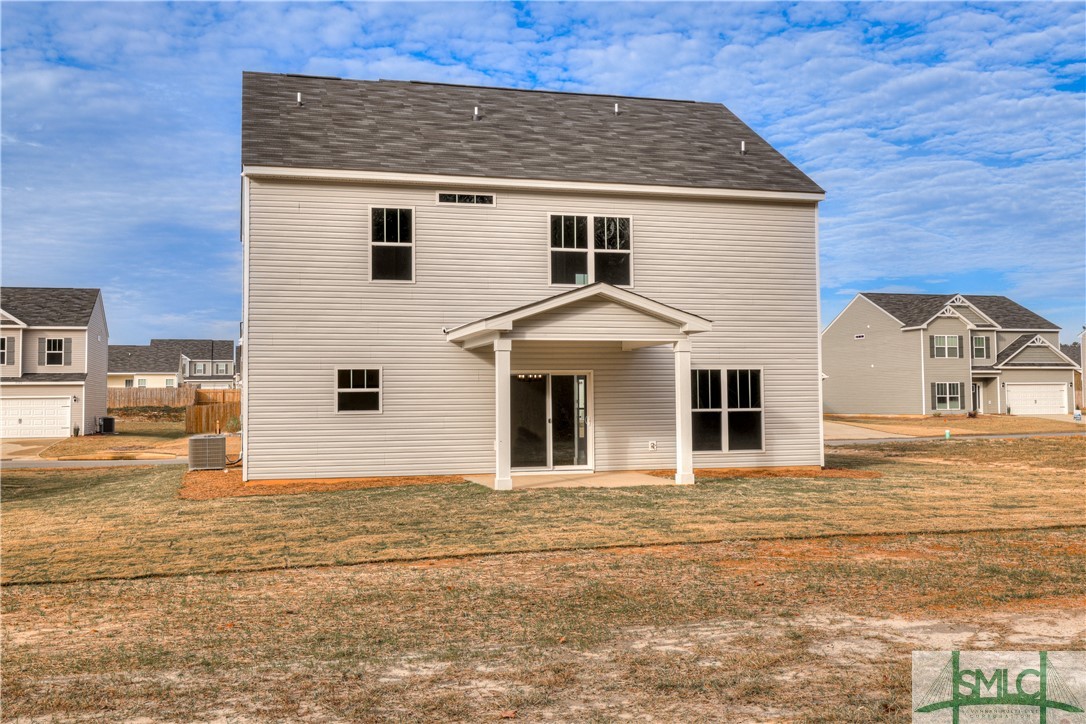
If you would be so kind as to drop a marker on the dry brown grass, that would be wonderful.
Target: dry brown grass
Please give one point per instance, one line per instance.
(807, 472)
(123, 523)
(211, 484)
(931, 426)
(736, 631)
(138, 438)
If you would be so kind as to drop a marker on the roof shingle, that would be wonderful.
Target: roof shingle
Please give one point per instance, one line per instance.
(915, 309)
(428, 128)
(49, 306)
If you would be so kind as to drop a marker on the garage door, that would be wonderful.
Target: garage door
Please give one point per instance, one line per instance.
(35, 417)
(1039, 399)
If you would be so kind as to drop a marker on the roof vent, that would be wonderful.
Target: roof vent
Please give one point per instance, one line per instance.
(475, 115)
(616, 109)
(300, 100)
(742, 148)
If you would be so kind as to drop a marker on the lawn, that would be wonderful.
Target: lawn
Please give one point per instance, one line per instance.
(148, 436)
(932, 426)
(66, 525)
(591, 624)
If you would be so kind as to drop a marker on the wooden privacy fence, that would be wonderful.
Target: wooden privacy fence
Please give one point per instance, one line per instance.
(213, 411)
(182, 396)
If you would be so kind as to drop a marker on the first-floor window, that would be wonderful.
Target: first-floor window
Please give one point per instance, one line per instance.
(948, 395)
(3, 350)
(54, 351)
(128, 383)
(141, 382)
(169, 382)
(734, 416)
(358, 390)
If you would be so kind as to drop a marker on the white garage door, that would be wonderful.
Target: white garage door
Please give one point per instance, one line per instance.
(1039, 399)
(35, 417)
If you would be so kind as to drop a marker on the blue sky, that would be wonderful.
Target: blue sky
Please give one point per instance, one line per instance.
(951, 138)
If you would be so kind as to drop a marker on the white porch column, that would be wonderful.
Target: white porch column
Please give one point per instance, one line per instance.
(684, 443)
(503, 479)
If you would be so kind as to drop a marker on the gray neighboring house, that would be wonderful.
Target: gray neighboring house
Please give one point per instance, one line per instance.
(454, 279)
(901, 354)
(204, 363)
(53, 357)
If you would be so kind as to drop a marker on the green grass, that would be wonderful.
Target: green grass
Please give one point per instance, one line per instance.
(67, 525)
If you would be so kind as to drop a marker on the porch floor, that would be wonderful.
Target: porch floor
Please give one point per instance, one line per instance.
(610, 479)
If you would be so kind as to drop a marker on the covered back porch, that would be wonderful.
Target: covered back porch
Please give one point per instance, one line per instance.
(566, 362)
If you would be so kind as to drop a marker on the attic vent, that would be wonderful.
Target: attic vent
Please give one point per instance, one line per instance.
(947, 312)
(742, 148)
(616, 109)
(1037, 342)
(958, 300)
(300, 100)
(475, 114)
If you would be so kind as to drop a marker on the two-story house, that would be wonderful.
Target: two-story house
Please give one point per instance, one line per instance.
(444, 278)
(920, 354)
(206, 363)
(53, 358)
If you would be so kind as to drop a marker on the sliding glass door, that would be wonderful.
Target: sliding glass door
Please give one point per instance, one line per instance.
(550, 420)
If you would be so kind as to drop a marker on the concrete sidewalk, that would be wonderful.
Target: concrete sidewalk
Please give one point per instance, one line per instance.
(843, 431)
(1005, 436)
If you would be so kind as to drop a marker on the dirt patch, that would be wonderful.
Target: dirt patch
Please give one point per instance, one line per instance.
(932, 426)
(805, 471)
(210, 484)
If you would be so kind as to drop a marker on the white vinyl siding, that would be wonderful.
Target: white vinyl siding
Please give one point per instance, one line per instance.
(747, 266)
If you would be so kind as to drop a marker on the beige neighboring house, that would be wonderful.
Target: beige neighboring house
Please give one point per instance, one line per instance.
(901, 354)
(204, 363)
(454, 279)
(53, 356)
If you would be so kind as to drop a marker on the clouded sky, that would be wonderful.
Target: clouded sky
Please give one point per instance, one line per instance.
(950, 138)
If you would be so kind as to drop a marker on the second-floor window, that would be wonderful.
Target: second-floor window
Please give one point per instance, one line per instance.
(392, 254)
(980, 348)
(199, 368)
(946, 345)
(54, 351)
(222, 368)
(589, 249)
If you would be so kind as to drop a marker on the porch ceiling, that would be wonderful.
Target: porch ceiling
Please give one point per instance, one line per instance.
(598, 312)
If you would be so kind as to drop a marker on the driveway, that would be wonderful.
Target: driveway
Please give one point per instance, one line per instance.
(842, 431)
(25, 448)
(1061, 418)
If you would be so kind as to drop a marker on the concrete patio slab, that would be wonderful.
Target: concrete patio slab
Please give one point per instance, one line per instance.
(613, 479)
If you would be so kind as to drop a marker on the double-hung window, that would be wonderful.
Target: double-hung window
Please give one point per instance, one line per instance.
(169, 381)
(734, 416)
(54, 351)
(980, 348)
(222, 368)
(199, 368)
(946, 345)
(589, 249)
(358, 390)
(948, 396)
(392, 253)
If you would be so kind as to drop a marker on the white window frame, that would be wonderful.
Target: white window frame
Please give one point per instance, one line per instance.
(946, 394)
(169, 382)
(399, 244)
(946, 346)
(60, 343)
(199, 369)
(3, 350)
(724, 409)
(336, 389)
(590, 251)
(225, 368)
(987, 354)
(141, 382)
(491, 194)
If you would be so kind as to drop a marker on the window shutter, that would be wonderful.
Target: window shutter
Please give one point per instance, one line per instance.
(932, 395)
(965, 402)
(9, 350)
(960, 348)
(931, 346)
(67, 350)
(41, 351)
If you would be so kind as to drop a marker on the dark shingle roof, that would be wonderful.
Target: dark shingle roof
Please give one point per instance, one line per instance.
(415, 127)
(916, 309)
(1021, 341)
(164, 355)
(48, 377)
(49, 306)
